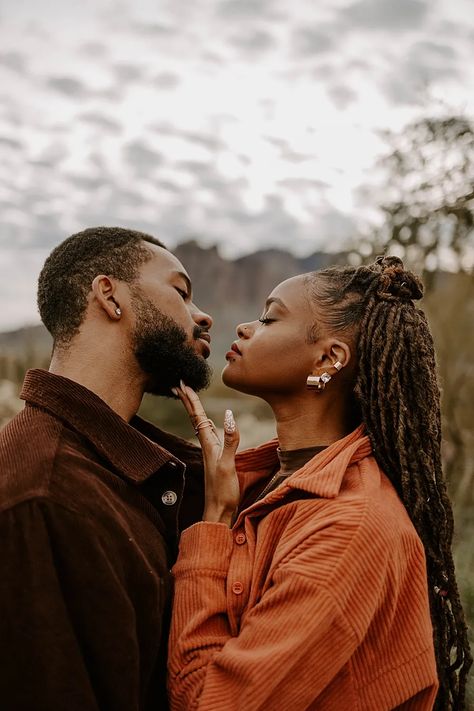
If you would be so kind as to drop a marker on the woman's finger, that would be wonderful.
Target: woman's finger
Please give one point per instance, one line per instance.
(196, 408)
(231, 442)
(222, 485)
(193, 406)
(203, 426)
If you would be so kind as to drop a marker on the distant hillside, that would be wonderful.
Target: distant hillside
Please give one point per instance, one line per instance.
(246, 281)
(230, 290)
(29, 338)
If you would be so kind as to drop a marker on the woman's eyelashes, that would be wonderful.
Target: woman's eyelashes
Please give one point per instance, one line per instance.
(265, 319)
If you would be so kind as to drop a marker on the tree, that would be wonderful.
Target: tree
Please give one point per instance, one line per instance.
(427, 202)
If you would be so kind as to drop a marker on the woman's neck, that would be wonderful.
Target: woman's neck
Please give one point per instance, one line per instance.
(312, 420)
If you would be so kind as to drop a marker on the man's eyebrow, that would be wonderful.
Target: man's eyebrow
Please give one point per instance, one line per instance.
(187, 280)
(275, 300)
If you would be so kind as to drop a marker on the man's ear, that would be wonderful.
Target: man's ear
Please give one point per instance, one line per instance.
(104, 291)
(331, 351)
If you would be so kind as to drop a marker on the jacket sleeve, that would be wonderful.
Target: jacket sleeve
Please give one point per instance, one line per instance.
(289, 645)
(67, 626)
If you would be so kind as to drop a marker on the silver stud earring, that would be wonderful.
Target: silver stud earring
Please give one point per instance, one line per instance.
(118, 311)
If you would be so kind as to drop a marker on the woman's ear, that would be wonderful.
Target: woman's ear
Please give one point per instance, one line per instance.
(330, 352)
(104, 294)
(340, 352)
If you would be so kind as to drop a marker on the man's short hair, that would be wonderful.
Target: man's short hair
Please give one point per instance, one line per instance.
(66, 278)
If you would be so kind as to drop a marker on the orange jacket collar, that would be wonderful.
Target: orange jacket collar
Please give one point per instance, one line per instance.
(321, 476)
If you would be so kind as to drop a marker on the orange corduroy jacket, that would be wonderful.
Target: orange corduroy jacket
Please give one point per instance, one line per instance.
(315, 599)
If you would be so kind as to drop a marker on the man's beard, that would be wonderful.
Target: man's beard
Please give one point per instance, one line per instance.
(161, 349)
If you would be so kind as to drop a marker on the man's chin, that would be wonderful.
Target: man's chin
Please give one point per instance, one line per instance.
(158, 391)
(196, 382)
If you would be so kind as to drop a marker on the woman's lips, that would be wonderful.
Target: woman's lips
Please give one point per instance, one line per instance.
(233, 352)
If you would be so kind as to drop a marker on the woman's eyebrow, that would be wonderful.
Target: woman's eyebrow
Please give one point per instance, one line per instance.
(275, 300)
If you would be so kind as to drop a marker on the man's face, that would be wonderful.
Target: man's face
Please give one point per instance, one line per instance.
(170, 337)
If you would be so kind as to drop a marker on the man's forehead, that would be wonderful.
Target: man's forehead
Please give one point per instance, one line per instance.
(163, 261)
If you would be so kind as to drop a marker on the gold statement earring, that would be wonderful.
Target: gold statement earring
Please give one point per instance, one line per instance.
(319, 382)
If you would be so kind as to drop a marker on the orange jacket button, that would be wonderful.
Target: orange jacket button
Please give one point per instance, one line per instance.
(240, 538)
(237, 588)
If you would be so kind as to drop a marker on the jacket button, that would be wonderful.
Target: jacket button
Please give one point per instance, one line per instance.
(169, 498)
(240, 538)
(237, 588)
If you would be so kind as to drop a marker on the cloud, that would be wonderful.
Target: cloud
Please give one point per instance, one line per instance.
(155, 30)
(204, 140)
(424, 63)
(127, 72)
(342, 95)
(253, 43)
(335, 228)
(385, 14)
(287, 153)
(88, 183)
(166, 80)
(127, 197)
(141, 157)
(168, 186)
(432, 52)
(54, 153)
(93, 50)
(69, 86)
(309, 42)
(100, 121)
(303, 184)
(15, 61)
(241, 10)
(11, 143)
(41, 164)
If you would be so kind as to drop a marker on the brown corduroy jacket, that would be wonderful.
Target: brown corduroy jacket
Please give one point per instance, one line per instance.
(89, 517)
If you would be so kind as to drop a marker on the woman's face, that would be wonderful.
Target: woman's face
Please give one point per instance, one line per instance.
(272, 354)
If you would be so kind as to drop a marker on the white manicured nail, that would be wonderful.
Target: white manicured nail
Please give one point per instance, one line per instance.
(229, 422)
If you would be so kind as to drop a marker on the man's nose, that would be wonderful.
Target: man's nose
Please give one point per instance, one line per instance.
(202, 319)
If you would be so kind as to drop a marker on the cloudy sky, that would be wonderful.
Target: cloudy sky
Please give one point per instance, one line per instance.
(244, 123)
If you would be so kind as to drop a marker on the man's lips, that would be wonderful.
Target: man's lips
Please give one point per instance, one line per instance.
(205, 339)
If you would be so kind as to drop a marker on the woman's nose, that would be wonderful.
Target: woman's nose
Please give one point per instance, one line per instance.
(244, 330)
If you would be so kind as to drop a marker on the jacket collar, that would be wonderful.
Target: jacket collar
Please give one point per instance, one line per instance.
(131, 448)
(321, 476)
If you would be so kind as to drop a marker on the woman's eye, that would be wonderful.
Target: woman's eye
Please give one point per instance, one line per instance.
(266, 320)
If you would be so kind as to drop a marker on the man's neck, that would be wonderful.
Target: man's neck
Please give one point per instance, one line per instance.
(120, 388)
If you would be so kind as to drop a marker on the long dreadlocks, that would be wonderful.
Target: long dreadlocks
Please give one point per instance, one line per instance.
(397, 391)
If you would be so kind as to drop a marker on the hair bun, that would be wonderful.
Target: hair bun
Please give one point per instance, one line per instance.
(395, 282)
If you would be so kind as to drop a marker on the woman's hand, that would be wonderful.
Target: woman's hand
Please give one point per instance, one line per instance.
(222, 491)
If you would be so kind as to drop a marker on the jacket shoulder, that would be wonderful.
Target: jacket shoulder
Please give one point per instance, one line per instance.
(29, 455)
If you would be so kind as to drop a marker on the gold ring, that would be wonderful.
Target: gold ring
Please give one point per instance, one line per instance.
(204, 423)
